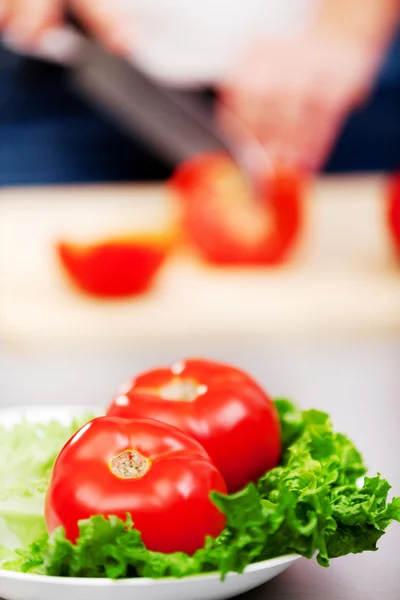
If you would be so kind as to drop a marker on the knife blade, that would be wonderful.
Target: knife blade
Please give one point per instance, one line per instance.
(174, 123)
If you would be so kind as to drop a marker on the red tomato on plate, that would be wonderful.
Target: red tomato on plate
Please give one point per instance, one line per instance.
(220, 406)
(223, 220)
(393, 214)
(116, 267)
(149, 469)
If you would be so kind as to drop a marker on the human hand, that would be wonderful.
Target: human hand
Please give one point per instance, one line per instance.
(26, 24)
(294, 95)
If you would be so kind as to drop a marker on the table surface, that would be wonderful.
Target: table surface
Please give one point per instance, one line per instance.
(358, 383)
(341, 281)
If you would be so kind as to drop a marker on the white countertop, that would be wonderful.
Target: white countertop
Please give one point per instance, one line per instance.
(342, 281)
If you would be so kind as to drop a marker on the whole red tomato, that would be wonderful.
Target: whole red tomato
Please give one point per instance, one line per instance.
(393, 214)
(222, 407)
(149, 469)
(115, 267)
(223, 220)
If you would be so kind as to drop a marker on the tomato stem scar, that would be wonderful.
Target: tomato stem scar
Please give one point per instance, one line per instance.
(186, 390)
(129, 464)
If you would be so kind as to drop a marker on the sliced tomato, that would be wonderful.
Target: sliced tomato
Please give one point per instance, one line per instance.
(115, 267)
(393, 214)
(223, 220)
(147, 469)
(220, 406)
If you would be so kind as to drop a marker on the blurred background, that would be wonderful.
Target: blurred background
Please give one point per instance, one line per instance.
(219, 180)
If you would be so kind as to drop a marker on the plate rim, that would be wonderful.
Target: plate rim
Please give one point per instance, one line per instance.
(144, 581)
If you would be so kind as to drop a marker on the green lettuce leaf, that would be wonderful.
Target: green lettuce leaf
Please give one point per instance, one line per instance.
(312, 504)
(27, 454)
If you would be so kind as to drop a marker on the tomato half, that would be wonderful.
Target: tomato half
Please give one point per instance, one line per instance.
(223, 220)
(153, 471)
(393, 214)
(115, 267)
(222, 407)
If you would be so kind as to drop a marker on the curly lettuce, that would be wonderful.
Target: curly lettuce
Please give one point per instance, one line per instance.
(312, 504)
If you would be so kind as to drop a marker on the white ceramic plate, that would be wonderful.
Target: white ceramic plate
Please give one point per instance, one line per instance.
(20, 586)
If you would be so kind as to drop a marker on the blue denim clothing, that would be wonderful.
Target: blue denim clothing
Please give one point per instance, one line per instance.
(48, 135)
(371, 138)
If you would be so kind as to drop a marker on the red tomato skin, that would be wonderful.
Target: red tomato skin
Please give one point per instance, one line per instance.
(112, 269)
(234, 420)
(393, 211)
(170, 505)
(205, 225)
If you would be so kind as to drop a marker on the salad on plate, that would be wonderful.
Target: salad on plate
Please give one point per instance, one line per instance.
(192, 469)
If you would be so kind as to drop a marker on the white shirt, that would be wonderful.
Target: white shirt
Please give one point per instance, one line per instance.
(187, 42)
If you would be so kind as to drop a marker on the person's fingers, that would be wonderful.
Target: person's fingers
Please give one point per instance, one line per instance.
(259, 128)
(296, 97)
(304, 143)
(325, 108)
(24, 21)
(256, 109)
(268, 104)
(105, 20)
(296, 125)
(317, 140)
(244, 105)
(4, 9)
(280, 125)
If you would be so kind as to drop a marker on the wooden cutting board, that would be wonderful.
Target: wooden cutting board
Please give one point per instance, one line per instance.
(341, 281)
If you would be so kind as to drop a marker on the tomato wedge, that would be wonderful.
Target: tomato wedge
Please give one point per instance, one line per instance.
(116, 267)
(220, 406)
(153, 471)
(393, 213)
(226, 224)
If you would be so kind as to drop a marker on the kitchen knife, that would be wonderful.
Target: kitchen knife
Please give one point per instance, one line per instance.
(176, 124)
